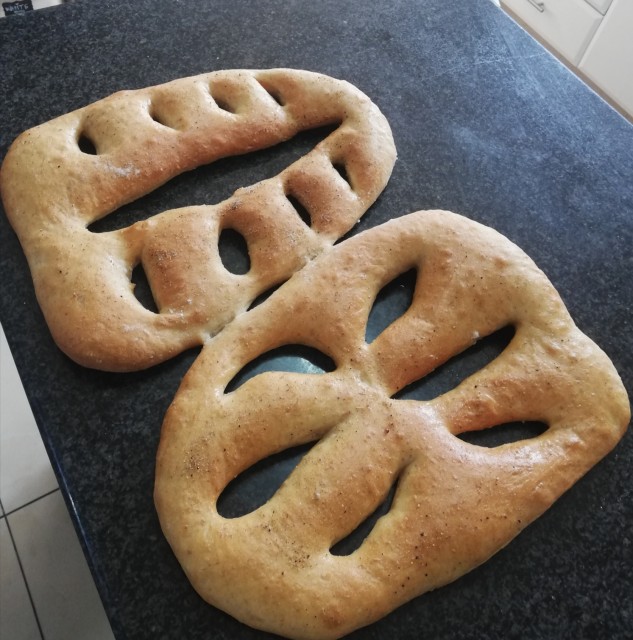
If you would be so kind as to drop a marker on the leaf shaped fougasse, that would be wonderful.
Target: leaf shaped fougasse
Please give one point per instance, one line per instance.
(61, 177)
(335, 546)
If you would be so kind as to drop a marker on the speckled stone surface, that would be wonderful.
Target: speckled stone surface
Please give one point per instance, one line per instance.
(487, 124)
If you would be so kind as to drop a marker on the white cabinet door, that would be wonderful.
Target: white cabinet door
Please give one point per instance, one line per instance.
(566, 25)
(600, 5)
(608, 61)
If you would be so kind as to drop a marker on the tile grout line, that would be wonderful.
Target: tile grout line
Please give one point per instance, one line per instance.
(26, 583)
(30, 502)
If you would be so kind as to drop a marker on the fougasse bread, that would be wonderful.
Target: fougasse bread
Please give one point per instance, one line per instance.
(455, 504)
(63, 175)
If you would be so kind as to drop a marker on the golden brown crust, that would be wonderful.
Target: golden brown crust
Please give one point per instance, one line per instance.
(456, 504)
(52, 191)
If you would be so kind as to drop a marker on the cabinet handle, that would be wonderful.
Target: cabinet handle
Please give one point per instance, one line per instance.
(540, 6)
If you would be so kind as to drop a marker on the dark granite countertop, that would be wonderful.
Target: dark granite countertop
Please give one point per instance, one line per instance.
(487, 124)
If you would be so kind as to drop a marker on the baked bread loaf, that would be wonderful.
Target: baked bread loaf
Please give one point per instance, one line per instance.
(455, 504)
(60, 177)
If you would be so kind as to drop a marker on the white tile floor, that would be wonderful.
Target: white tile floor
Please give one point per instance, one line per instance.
(46, 590)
